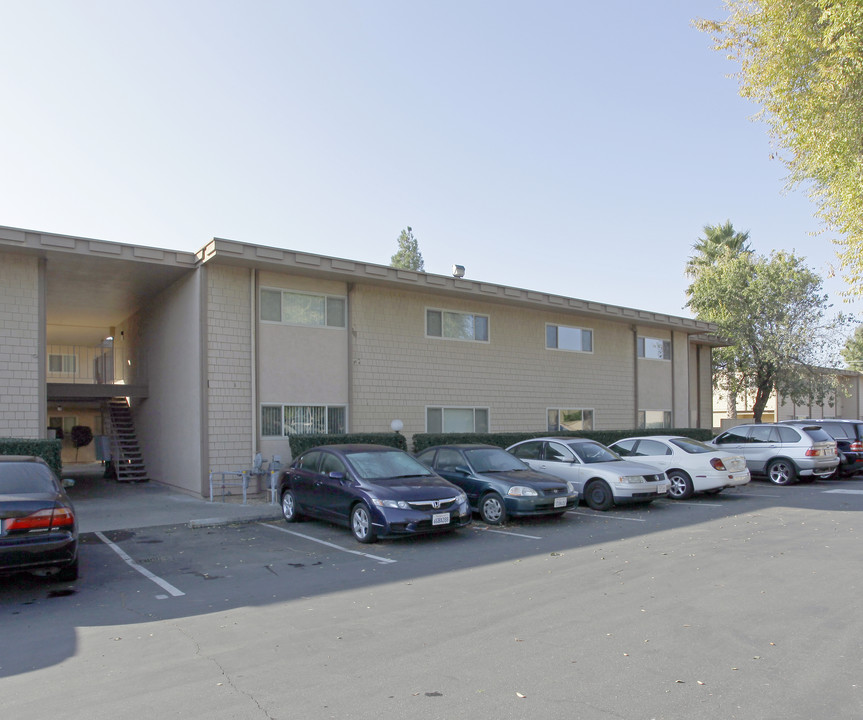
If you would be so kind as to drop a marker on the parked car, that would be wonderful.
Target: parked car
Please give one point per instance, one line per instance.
(376, 491)
(691, 466)
(601, 477)
(781, 452)
(38, 528)
(848, 435)
(499, 485)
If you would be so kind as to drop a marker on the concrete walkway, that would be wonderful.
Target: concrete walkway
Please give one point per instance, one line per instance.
(108, 505)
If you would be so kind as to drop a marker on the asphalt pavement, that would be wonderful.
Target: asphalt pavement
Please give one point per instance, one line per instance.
(104, 504)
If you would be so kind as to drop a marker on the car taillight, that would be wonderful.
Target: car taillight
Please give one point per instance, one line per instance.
(717, 464)
(856, 446)
(42, 520)
(812, 452)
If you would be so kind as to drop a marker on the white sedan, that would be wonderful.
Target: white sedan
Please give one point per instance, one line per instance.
(691, 466)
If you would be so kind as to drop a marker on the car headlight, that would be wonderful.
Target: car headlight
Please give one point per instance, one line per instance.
(572, 487)
(398, 504)
(461, 499)
(522, 491)
(631, 479)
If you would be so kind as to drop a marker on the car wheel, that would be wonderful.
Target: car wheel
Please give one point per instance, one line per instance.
(781, 472)
(361, 524)
(68, 573)
(681, 485)
(289, 507)
(492, 510)
(598, 496)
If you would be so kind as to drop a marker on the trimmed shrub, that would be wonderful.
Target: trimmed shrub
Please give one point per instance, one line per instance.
(301, 443)
(421, 441)
(48, 450)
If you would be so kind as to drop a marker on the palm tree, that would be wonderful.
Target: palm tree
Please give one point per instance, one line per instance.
(717, 240)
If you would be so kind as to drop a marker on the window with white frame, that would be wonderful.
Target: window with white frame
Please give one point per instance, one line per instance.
(456, 420)
(570, 420)
(575, 339)
(654, 419)
(654, 348)
(286, 420)
(456, 325)
(62, 364)
(299, 308)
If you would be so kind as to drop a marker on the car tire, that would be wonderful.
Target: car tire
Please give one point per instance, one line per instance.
(69, 573)
(598, 495)
(492, 509)
(781, 472)
(681, 485)
(290, 509)
(361, 524)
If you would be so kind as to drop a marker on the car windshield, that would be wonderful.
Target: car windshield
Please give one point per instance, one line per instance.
(374, 465)
(22, 478)
(593, 452)
(490, 460)
(693, 447)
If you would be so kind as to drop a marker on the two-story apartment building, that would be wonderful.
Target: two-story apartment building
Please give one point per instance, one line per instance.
(226, 352)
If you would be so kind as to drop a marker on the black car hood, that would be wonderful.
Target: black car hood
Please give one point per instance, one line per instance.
(527, 477)
(415, 487)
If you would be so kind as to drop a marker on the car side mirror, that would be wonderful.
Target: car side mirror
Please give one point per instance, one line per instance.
(462, 470)
(336, 475)
(68, 482)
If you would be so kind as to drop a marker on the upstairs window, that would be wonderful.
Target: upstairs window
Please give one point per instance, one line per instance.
(654, 348)
(561, 337)
(456, 325)
(295, 308)
(62, 364)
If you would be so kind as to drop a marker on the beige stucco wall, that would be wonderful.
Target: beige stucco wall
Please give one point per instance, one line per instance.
(168, 421)
(229, 361)
(22, 386)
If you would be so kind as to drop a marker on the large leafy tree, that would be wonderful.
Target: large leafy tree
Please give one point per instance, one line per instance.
(852, 351)
(775, 316)
(408, 256)
(802, 62)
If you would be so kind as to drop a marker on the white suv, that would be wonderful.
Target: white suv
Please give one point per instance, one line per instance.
(781, 452)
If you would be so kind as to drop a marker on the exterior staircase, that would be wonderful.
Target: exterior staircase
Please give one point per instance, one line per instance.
(126, 458)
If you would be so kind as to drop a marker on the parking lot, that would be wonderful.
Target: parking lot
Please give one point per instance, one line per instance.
(741, 605)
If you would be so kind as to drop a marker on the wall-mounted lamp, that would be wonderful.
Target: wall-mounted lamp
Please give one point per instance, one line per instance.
(396, 425)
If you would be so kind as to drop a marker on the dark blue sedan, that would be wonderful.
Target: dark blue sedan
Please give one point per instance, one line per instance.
(377, 491)
(498, 484)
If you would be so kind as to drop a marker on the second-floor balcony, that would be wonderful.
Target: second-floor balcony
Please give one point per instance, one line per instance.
(102, 365)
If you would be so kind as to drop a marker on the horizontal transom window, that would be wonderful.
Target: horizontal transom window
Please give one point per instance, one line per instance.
(570, 420)
(296, 308)
(654, 419)
(561, 337)
(286, 420)
(456, 420)
(456, 325)
(654, 348)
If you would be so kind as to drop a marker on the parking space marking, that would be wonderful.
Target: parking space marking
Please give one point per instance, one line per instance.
(380, 559)
(504, 532)
(164, 584)
(696, 504)
(844, 492)
(749, 495)
(605, 515)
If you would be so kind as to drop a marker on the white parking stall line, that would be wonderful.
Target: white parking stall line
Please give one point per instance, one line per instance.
(696, 504)
(378, 558)
(164, 584)
(749, 495)
(844, 492)
(605, 515)
(504, 532)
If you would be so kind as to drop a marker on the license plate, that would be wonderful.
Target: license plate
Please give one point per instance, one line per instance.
(560, 502)
(661, 490)
(440, 519)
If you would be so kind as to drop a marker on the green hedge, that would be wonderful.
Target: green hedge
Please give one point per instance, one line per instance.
(48, 450)
(504, 440)
(301, 443)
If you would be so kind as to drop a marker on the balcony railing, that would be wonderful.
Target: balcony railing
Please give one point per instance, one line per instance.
(93, 365)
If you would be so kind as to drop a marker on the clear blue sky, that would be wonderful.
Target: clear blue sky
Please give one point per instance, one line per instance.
(571, 147)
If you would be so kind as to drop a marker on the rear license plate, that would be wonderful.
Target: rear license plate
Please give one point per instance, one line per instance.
(440, 519)
(560, 502)
(661, 489)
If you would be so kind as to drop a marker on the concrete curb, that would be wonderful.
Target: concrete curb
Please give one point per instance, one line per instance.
(222, 521)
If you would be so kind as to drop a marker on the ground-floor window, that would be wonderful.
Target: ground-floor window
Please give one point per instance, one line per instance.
(571, 420)
(456, 420)
(285, 420)
(654, 419)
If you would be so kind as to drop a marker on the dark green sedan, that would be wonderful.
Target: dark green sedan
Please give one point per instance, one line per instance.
(499, 485)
